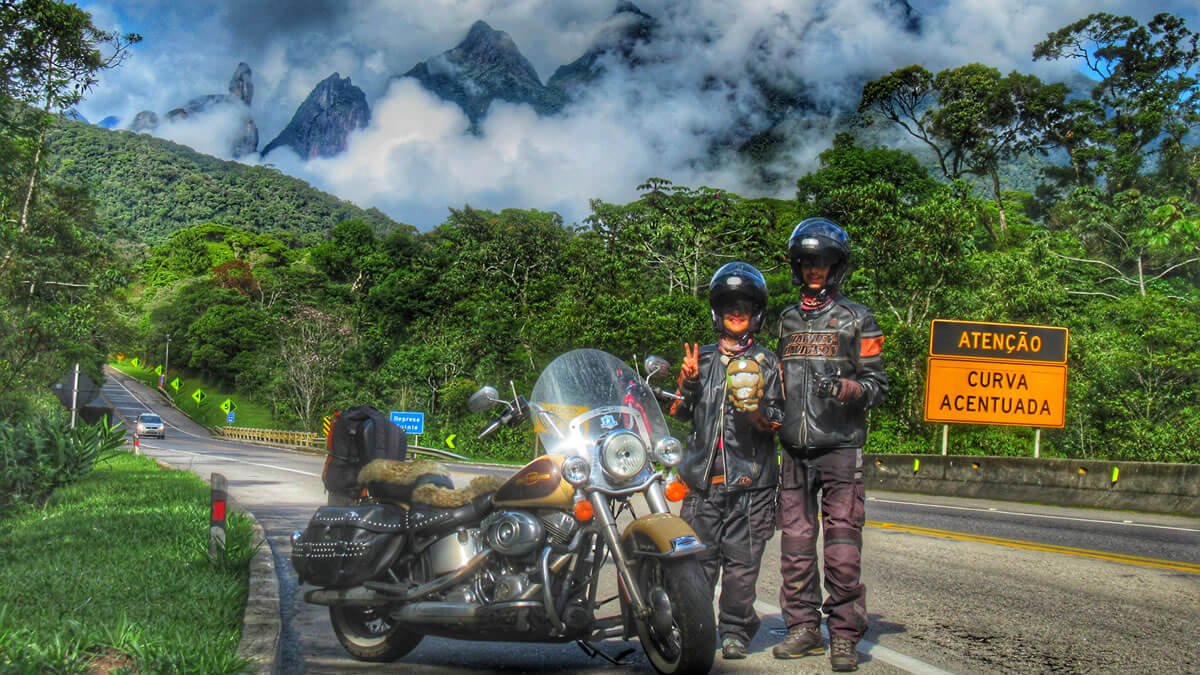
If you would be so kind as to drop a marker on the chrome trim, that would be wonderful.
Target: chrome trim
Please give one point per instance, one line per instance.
(656, 498)
(608, 529)
(447, 581)
(547, 595)
(625, 492)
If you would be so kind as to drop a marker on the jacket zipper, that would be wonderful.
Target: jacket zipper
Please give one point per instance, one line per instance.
(712, 451)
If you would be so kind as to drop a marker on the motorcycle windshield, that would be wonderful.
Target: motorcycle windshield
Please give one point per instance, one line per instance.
(586, 394)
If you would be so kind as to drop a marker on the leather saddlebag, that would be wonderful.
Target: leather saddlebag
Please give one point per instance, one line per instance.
(344, 546)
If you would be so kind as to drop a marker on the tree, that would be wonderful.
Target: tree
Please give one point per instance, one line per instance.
(50, 57)
(970, 117)
(1144, 103)
(685, 233)
(310, 352)
(1135, 241)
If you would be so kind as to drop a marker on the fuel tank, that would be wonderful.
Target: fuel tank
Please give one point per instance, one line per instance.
(538, 484)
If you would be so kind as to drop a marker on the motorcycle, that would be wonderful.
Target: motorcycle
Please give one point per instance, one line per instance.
(524, 560)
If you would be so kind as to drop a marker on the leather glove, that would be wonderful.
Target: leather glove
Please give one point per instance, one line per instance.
(848, 390)
(745, 384)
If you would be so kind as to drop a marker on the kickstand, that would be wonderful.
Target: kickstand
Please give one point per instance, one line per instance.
(593, 652)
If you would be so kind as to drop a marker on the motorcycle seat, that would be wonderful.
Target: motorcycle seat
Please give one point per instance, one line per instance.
(427, 520)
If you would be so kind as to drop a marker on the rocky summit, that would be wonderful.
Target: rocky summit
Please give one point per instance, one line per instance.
(237, 100)
(484, 67)
(618, 38)
(322, 124)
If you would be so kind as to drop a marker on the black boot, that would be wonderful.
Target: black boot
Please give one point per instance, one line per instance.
(801, 641)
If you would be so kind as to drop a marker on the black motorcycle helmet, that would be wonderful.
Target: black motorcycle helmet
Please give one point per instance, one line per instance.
(821, 240)
(733, 283)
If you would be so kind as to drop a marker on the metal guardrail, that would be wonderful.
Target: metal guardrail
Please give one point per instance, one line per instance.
(309, 439)
(301, 439)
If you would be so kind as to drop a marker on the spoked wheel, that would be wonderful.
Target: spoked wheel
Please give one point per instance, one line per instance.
(370, 635)
(680, 635)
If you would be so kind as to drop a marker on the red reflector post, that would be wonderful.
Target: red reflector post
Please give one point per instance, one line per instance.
(216, 529)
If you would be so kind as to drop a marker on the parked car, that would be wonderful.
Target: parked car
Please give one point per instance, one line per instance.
(149, 424)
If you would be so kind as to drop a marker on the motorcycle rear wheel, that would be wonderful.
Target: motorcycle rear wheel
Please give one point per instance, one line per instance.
(370, 635)
(688, 644)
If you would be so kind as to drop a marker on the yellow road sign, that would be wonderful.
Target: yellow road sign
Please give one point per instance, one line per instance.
(198, 396)
(176, 384)
(998, 341)
(974, 391)
(228, 406)
(326, 424)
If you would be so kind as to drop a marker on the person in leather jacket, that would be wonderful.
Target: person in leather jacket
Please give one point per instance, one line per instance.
(731, 394)
(831, 353)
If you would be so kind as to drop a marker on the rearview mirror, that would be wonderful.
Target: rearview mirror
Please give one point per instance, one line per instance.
(656, 366)
(486, 397)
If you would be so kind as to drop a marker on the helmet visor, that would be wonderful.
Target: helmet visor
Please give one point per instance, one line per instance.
(740, 306)
(819, 258)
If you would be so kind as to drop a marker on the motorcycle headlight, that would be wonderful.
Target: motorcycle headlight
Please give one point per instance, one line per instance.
(623, 455)
(576, 470)
(669, 451)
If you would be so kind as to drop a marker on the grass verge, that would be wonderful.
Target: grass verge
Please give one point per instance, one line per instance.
(113, 575)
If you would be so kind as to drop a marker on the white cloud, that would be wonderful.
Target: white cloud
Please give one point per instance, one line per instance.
(665, 119)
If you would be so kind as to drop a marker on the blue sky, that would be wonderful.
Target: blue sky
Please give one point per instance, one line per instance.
(415, 160)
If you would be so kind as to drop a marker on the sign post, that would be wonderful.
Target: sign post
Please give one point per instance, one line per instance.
(996, 373)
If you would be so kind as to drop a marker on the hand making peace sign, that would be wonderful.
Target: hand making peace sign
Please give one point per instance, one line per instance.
(690, 368)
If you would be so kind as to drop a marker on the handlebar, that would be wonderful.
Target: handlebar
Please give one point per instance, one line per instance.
(513, 415)
(659, 392)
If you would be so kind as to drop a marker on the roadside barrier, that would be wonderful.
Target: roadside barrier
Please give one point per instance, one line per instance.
(291, 439)
(1143, 486)
(309, 440)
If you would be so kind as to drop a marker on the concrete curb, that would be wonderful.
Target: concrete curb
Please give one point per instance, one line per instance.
(261, 623)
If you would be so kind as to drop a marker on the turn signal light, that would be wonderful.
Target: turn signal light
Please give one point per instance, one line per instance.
(584, 511)
(676, 491)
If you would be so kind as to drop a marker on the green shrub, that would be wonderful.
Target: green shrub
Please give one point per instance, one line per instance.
(42, 453)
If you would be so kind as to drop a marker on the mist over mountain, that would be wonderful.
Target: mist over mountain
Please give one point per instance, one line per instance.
(230, 111)
(548, 104)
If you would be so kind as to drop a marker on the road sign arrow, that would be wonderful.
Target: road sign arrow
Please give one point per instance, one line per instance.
(450, 440)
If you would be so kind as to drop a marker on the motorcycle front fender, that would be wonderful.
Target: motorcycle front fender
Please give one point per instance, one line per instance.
(661, 535)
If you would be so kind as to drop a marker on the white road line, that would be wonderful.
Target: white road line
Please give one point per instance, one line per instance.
(143, 404)
(223, 458)
(875, 650)
(1035, 515)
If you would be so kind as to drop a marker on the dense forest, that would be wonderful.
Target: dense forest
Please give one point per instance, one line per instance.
(308, 304)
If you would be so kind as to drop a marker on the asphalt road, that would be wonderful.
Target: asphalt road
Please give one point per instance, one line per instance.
(954, 585)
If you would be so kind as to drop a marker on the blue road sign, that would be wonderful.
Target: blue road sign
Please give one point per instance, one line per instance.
(410, 422)
(229, 417)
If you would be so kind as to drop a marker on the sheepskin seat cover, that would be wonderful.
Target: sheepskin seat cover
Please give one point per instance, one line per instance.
(429, 479)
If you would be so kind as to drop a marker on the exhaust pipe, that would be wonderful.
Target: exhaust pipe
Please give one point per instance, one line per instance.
(356, 596)
(437, 612)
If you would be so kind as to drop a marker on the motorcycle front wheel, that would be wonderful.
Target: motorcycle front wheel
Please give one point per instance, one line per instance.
(680, 635)
(370, 635)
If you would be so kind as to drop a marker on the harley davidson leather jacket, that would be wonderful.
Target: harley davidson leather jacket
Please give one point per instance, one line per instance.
(817, 348)
(723, 438)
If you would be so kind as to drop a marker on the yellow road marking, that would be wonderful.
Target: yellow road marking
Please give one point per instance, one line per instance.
(1034, 546)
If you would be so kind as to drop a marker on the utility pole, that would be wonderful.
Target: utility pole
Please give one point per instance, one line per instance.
(75, 395)
(166, 364)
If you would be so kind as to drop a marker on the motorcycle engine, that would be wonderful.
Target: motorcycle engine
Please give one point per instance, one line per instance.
(454, 551)
(513, 533)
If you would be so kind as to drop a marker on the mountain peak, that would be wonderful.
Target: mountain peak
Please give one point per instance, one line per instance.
(485, 66)
(625, 29)
(240, 86)
(324, 121)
